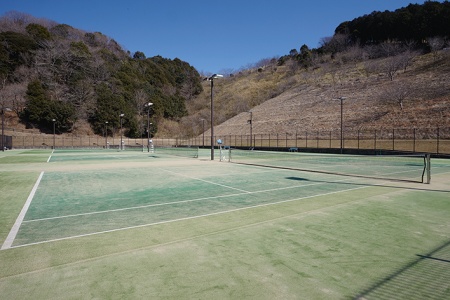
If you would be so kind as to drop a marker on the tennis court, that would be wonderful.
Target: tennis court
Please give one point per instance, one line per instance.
(171, 224)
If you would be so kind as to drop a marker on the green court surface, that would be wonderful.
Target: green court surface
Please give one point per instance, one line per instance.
(77, 224)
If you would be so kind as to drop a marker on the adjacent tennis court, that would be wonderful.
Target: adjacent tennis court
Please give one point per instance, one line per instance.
(129, 224)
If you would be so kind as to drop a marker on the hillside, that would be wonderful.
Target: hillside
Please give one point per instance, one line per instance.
(56, 75)
(416, 97)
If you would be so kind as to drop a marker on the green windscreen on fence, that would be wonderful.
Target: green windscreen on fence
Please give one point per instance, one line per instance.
(393, 167)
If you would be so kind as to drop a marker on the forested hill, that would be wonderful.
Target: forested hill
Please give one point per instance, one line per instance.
(412, 23)
(51, 71)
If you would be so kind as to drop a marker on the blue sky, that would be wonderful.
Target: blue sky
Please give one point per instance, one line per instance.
(212, 36)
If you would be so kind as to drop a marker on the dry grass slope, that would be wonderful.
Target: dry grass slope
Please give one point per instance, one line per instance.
(283, 100)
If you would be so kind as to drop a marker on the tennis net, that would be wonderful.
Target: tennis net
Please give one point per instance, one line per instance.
(178, 151)
(411, 168)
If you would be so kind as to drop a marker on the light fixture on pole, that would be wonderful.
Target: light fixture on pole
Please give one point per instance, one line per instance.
(212, 111)
(203, 122)
(251, 128)
(106, 135)
(54, 121)
(342, 123)
(148, 124)
(121, 133)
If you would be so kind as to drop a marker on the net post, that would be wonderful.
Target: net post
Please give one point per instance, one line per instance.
(229, 154)
(428, 164)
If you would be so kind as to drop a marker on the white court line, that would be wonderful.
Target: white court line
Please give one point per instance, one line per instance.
(192, 200)
(48, 160)
(187, 218)
(15, 229)
(222, 185)
(170, 203)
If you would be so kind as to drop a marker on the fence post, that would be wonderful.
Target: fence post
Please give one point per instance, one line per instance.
(358, 138)
(343, 139)
(393, 139)
(318, 139)
(306, 137)
(330, 139)
(437, 141)
(375, 144)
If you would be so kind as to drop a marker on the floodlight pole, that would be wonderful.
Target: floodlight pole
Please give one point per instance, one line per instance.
(53, 120)
(251, 128)
(212, 111)
(203, 122)
(148, 125)
(106, 135)
(342, 123)
(3, 129)
(121, 133)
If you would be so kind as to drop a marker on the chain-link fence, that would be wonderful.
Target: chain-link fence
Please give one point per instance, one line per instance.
(429, 140)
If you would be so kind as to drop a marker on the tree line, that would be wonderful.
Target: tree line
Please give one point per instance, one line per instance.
(412, 23)
(415, 28)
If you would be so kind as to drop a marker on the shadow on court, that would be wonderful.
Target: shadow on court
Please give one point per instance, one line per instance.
(426, 277)
(367, 184)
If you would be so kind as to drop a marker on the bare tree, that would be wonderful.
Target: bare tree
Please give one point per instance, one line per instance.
(396, 93)
(370, 66)
(141, 98)
(13, 95)
(15, 21)
(436, 43)
(336, 43)
(407, 58)
(81, 95)
(393, 64)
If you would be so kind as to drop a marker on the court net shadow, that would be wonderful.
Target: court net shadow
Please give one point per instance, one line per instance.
(426, 277)
(367, 184)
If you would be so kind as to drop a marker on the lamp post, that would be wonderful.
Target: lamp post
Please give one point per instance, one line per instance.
(148, 125)
(121, 133)
(251, 127)
(106, 135)
(3, 129)
(342, 109)
(54, 121)
(203, 121)
(3, 126)
(212, 111)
